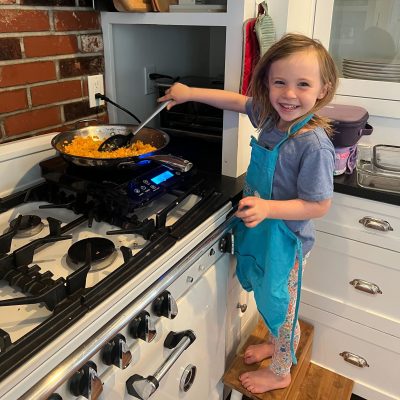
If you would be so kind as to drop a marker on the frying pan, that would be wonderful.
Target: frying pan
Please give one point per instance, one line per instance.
(155, 137)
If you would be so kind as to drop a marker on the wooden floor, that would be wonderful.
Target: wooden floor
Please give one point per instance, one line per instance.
(309, 381)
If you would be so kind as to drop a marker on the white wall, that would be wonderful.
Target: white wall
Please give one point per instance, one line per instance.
(173, 50)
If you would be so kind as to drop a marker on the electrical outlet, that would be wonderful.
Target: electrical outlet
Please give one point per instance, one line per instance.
(95, 85)
(149, 86)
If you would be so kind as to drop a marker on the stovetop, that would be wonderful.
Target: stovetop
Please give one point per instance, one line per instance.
(70, 242)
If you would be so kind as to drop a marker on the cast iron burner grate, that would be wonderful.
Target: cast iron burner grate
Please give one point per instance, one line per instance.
(103, 253)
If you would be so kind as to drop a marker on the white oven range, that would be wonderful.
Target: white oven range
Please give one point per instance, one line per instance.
(154, 327)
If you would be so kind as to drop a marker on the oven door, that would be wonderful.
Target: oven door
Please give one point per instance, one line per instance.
(197, 372)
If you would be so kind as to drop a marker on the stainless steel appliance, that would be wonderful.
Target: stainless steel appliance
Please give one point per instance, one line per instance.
(113, 283)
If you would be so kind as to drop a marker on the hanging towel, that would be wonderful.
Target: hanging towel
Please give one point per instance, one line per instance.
(251, 54)
(265, 29)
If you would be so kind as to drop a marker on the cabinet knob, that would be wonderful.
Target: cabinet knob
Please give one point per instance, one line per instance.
(354, 359)
(375, 223)
(365, 286)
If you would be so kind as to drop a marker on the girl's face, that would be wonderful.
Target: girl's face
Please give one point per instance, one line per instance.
(294, 86)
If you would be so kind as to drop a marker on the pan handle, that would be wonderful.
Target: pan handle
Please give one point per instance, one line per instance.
(173, 162)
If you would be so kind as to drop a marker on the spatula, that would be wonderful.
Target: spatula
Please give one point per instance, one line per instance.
(117, 141)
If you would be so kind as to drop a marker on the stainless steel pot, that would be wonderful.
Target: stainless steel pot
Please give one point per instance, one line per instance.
(155, 137)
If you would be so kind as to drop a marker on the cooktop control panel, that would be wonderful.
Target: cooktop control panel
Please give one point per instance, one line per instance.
(152, 183)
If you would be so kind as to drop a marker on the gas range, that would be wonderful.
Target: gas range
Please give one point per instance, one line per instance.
(82, 245)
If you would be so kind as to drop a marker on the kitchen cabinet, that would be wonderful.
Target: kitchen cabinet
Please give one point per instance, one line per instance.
(350, 294)
(178, 44)
(363, 37)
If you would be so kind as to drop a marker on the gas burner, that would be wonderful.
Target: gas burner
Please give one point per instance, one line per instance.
(103, 253)
(29, 225)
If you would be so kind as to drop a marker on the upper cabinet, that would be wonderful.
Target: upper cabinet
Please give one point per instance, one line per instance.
(363, 36)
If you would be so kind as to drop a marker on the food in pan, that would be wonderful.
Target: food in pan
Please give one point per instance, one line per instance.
(88, 147)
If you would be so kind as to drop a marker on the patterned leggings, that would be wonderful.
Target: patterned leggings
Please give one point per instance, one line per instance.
(282, 359)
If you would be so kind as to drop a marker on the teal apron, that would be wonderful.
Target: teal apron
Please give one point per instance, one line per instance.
(267, 253)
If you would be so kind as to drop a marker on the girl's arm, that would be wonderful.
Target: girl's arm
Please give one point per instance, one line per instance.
(223, 99)
(252, 210)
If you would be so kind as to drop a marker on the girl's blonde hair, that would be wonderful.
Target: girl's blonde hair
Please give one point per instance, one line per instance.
(289, 44)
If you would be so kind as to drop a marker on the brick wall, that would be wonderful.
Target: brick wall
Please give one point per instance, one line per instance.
(47, 50)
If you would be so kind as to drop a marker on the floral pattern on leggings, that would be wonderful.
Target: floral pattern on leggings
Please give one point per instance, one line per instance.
(282, 358)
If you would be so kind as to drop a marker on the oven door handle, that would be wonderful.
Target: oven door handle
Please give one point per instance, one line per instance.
(142, 388)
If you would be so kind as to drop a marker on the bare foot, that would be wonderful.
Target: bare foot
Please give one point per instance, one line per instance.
(263, 380)
(258, 352)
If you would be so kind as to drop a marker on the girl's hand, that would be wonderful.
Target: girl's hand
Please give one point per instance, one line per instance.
(178, 93)
(252, 210)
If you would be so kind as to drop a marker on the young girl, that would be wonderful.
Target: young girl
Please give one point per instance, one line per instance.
(289, 181)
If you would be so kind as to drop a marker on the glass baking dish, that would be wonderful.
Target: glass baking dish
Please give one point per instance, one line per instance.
(374, 174)
(386, 158)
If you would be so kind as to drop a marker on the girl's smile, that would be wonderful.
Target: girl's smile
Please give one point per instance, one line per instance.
(287, 107)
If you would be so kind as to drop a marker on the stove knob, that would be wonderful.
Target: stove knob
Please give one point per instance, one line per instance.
(165, 306)
(116, 352)
(142, 327)
(86, 382)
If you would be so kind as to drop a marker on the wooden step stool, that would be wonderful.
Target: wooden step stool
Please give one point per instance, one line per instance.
(309, 381)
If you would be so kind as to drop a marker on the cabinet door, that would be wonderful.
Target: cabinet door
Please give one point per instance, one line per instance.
(242, 315)
(367, 356)
(355, 280)
(363, 38)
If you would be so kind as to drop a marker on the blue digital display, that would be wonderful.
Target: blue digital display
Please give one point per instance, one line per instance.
(162, 177)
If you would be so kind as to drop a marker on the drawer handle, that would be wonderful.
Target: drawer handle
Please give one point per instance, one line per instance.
(375, 223)
(365, 286)
(354, 359)
(243, 307)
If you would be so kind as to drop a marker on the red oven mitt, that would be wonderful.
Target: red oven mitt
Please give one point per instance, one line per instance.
(251, 54)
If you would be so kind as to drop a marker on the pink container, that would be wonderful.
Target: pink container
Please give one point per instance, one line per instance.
(345, 160)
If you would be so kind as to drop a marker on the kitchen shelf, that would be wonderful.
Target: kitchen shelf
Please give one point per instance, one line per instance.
(170, 18)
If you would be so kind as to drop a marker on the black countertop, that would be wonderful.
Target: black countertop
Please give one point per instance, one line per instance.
(346, 184)
(230, 187)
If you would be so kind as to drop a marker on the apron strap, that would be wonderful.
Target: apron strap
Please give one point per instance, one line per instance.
(296, 311)
(300, 124)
